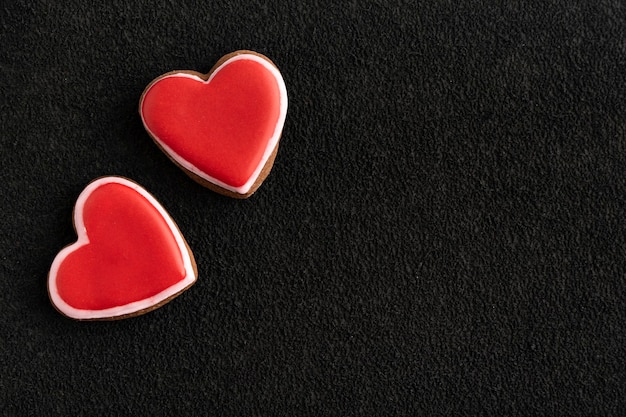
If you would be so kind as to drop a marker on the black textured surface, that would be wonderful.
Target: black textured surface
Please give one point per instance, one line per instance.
(443, 231)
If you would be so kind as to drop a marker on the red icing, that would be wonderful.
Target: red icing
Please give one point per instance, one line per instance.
(131, 255)
(221, 127)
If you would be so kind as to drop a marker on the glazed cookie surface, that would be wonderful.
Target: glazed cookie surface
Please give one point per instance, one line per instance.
(221, 128)
(129, 258)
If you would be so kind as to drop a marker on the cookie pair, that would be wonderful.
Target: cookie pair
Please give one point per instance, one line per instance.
(222, 129)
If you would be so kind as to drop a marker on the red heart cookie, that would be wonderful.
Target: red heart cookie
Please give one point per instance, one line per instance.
(130, 257)
(223, 127)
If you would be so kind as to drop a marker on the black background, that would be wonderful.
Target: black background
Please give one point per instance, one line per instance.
(443, 231)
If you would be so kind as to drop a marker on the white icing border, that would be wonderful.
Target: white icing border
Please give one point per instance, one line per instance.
(83, 239)
(271, 144)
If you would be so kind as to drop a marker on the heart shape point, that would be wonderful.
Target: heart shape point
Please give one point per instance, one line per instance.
(129, 258)
(222, 128)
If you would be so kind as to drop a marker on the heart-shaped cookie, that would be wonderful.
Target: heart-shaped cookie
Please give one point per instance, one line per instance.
(130, 256)
(221, 128)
